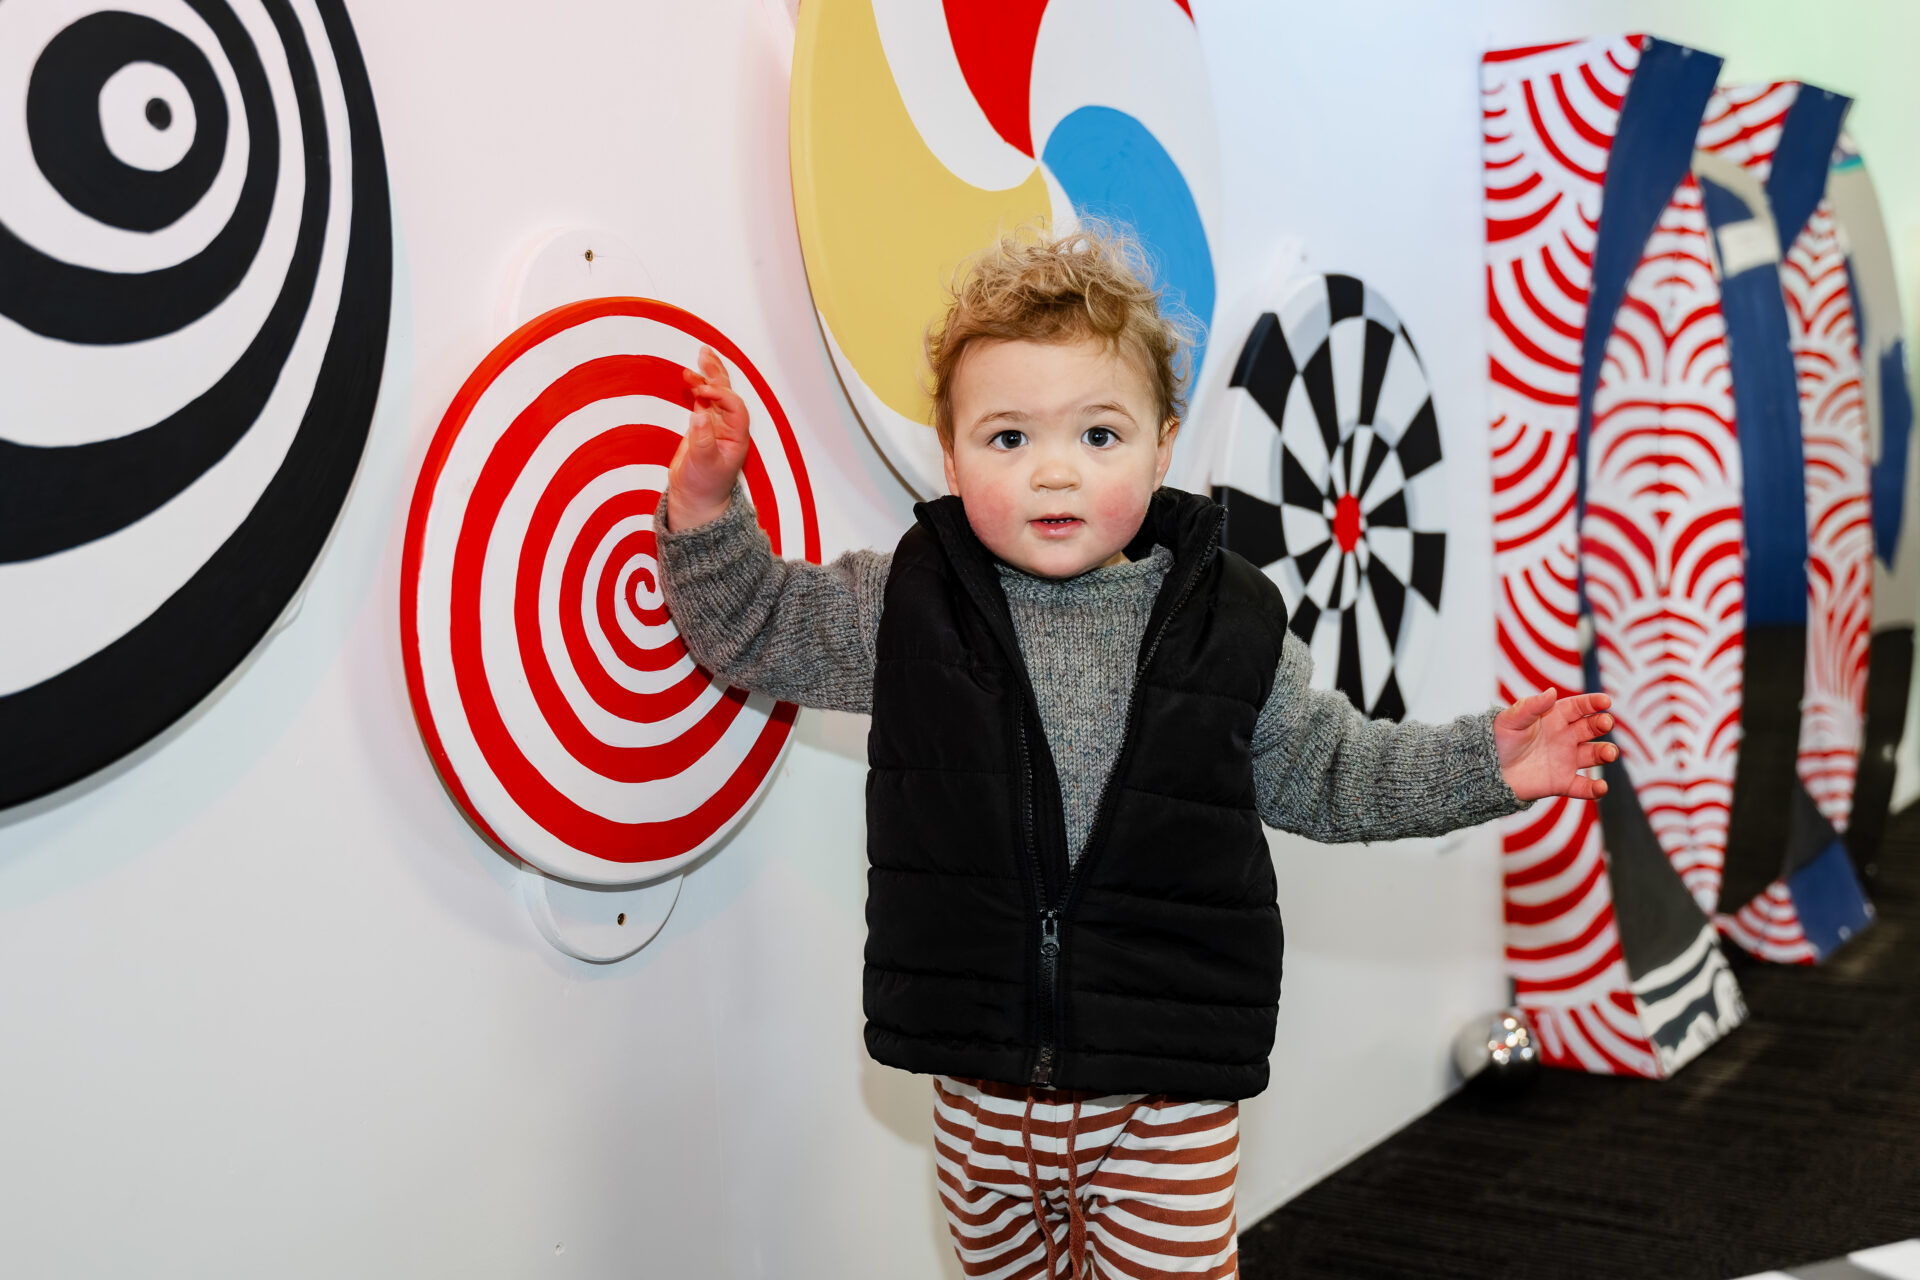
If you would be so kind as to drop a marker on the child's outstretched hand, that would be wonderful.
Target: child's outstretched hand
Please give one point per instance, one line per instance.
(1545, 740)
(708, 461)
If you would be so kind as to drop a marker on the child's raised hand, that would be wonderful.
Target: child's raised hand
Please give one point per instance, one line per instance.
(1544, 741)
(708, 461)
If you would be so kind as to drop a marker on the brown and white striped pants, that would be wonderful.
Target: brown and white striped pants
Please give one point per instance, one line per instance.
(1147, 1191)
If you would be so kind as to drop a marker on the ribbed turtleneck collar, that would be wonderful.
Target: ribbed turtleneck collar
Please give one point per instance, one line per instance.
(1093, 584)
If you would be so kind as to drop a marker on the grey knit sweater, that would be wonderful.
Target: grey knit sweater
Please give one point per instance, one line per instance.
(805, 633)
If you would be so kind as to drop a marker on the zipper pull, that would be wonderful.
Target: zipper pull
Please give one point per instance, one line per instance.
(1049, 978)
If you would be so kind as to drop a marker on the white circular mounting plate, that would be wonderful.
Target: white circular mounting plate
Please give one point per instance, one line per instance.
(597, 923)
(568, 264)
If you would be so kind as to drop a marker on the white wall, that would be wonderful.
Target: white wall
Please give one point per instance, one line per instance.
(267, 1005)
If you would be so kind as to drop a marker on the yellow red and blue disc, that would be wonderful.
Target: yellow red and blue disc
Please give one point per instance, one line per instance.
(922, 130)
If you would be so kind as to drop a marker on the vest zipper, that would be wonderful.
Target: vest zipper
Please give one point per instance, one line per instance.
(1050, 919)
(1050, 985)
(1049, 924)
(1103, 816)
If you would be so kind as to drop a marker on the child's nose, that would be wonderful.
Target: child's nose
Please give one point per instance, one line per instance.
(1055, 473)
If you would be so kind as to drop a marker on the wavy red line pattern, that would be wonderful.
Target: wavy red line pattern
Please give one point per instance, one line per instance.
(1662, 545)
(1833, 421)
(1769, 927)
(1548, 119)
(1744, 122)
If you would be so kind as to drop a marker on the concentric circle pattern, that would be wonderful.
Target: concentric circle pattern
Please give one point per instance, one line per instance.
(552, 689)
(1331, 479)
(195, 279)
(921, 130)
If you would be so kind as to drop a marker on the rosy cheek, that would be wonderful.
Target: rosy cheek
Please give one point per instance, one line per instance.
(1122, 507)
(990, 510)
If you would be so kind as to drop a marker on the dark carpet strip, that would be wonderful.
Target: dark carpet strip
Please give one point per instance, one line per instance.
(1796, 1139)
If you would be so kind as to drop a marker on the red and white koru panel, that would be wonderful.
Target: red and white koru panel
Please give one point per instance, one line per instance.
(1745, 123)
(551, 688)
(1833, 426)
(1662, 545)
(1548, 122)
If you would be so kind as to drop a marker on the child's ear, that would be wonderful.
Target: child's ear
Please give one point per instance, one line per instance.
(946, 462)
(1168, 430)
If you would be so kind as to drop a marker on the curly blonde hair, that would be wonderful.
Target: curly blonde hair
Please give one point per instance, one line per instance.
(1033, 286)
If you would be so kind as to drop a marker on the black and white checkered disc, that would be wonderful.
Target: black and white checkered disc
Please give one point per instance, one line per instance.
(1330, 473)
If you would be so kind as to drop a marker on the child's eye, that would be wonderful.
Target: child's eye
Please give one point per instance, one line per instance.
(1007, 440)
(1100, 437)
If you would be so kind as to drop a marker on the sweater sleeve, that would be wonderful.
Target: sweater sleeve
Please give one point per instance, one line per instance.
(801, 632)
(1323, 770)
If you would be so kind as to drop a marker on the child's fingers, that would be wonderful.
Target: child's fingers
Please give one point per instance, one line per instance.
(1528, 710)
(707, 395)
(1594, 725)
(1585, 788)
(727, 412)
(710, 377)
(1584, 704)
(1593, 754)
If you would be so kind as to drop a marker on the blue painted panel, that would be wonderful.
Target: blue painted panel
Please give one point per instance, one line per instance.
(1113, 169)
(1829, 901)
(1766, 402)
(1890, 472)
(1804, 157)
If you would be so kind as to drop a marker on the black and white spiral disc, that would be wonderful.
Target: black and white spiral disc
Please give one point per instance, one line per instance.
(195, 280)
(1330, 470)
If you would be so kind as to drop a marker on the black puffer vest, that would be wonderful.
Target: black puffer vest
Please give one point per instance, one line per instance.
(1153, 966)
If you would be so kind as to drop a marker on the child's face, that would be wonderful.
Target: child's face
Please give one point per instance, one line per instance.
(1056, 452)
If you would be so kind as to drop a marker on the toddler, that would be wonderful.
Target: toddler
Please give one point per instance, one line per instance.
(1084, 709)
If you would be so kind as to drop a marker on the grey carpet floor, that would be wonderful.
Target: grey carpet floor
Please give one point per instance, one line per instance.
(1796, 1139)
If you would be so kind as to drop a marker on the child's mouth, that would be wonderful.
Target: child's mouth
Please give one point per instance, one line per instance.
(1054, 525)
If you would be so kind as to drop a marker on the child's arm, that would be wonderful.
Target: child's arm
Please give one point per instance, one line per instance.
(798, 631)
(1325, 771)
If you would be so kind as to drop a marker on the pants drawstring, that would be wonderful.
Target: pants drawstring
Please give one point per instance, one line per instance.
(1033, 1184)
(1076, 1219)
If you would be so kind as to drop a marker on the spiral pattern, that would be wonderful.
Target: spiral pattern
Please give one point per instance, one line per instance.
(551, 687)
(196, 249)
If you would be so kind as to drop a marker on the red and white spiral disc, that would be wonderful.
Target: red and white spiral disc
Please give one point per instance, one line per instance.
(553, 691)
